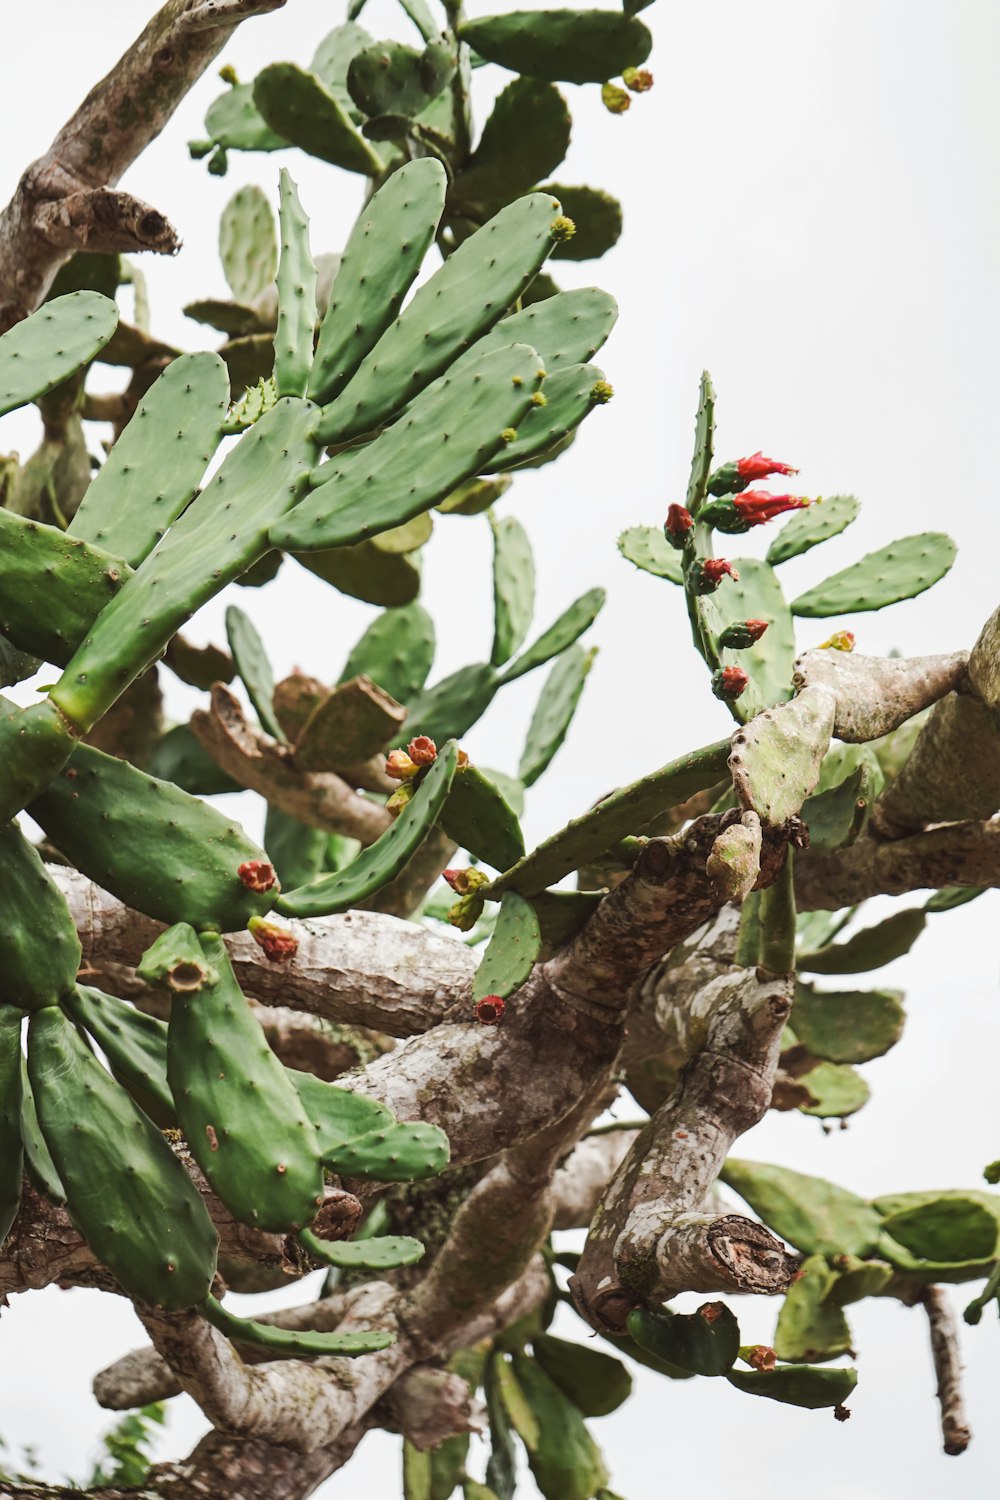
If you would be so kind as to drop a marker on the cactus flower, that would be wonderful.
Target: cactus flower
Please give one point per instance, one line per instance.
(489, 1011)
(400, 766)
(742, 634)
(729, 683)
(706, 575)
(615, 100)
(739, 512)
(422, 750)
(678, 525)
(278, 943)
(257, 875)
(733, 477)
(639, 80)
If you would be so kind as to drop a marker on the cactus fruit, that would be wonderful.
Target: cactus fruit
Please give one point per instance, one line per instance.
(572, 46)
(47, 348)
(705, 1342)
(512, 950)
(823, 520)
(901, 570)
(769, 662)
(294, 1343)
(554, 711)
(297, 107)
(75, 580)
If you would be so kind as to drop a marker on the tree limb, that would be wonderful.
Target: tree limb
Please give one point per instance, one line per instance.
(955, 1427)
(955, 854)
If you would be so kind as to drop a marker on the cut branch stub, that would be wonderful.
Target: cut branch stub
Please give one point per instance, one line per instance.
(776, 758)
(354, 722)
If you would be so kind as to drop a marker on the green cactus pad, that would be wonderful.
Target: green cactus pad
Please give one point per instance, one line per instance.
(39, 950)
(512, 950)
(396, 652)
(45, 349)
(237, 1107)
(253, 666)
(815, 1216)
(836, 818)
(180, 758)
(569, 397)
(870, 948)
(137, 1207)
(381, 258)
(248, 246)
(52, 586)
(296, 851)
(338, 1115)
(811, 1330)
(900, 571)
(479, 818)
(392, 1153)
(461, 301)
(230, 318)
(572, 46)
(944, 1228)
(513, 588)
(797, 1385)
(570, 625)
(451, 707)
(565, 329)
(155, 847)
(134, 1044)
(291, 1344)
(156, 465)
(293, 339)
(835, 1090)
(847, 1026)
(37, 1158)
(623, 813)
(389, 78)
(647, 548)
(218, 537)
(564, 1459)
(234, 122)
(856, 1279)
(554, 712)
(368, 572)
(11, 1149)
(776, 758)
(299, 107)
(15, 665)
(534, 114)
(383, 861)
(950, 896)
(420, 459)
(817, 523)
(704, 442)
(332, 59)
(596, 1383)
(705, 1342)
(383, 1253)
(598, 219)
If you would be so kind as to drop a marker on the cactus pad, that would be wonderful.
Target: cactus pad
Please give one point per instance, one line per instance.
(900, 571)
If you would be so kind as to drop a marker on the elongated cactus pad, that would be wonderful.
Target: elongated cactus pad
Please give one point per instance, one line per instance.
(554, 711)
(569, 397)
(253, 666)
(451, 707)
(37, 1157)
(289, 1342)
(512, 950)
(647, 548)
(52, 586)
(134, 1043)
(248, 246)
(297, 106)
(815, 1216)
(382, 1253)
(847, 1026)
(562, 1455)
(817, 523)
(705, 1345)
(393, 1153)
(39, 949)
(534, 113)
(338, 1115)
(568, 628)
(293, 339)
(11, 1149)
(575, 46)
(42, 351)
(567, 329)
(396, 652)
(810, 1386)
(870, 948)
(513, 588)
(900, 571)
(479, 818)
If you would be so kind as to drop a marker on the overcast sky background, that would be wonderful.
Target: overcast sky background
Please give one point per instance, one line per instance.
(812, 212)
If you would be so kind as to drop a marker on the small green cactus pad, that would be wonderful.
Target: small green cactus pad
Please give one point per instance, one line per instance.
(420, 459)
(333, 58)
(512, 950)
(385, 858)
(501, 1469)
(253, 666)
(510, 789)
(598, 219)
(15, 665)
(461, 301)
(797, 1385)
(704, 441)
(950, 896)
(565, 329)
(870, 948)
(389, 78)
(338, 1115)
(847, 1026)
(900, 571)
(810, 1329)
(513, 588)
(37, 1158)
(11, 1149)
(815, 1216)
(137, 1207)
(618, 816)
(234, 123)
(134, 1044)
(244, 1121)
(776, 758)
(646, 547)
(157, 464)
(835, 1091)
(39, 950)
(180, 758)
(554, 711)
(571, 46)
(291, 1344)
(817, 523)
(230, 318)
(381, 258)
(536, 115)
(383, 1253)
(396, 652)
(52, 586)
(769, 663)
(856, 1279)
(155, 847)
(368, 572)
(248, 246)
(44, 350)
(474, 496)
(293, 339)
(563, 1457)
(296, 851)
(705, 1342)
(570, 625)
(943, 1227)
(216, 539)
(479, 818)
(35, 743)
(837, 818)
(392, 1153)
(569, 396)
(299, 107)
(451, 707)
(596, 1383)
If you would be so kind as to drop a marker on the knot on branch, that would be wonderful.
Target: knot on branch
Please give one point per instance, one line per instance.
(105, 220)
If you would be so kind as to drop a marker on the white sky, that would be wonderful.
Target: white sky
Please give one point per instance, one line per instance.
(812, 212)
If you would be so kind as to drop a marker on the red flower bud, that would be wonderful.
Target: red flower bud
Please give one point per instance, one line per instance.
(757, 506)
(742, 634)
(422, 750)
(759, 467)
(717, 568)
(257, 875)
(489, 1011)
(729, 683)
(678, 525)
(278, 943)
